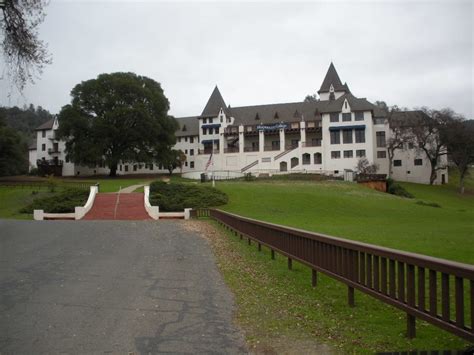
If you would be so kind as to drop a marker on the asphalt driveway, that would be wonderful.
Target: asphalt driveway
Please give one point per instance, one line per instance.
(111, 287)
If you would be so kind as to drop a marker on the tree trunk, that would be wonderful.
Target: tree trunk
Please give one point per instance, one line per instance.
(461, 184)
(432, 176)
(113, 170)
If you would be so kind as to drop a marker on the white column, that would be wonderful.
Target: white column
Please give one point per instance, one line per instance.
(241, 139)
(303, 132)
(261, 141)
(282, 139)
(221, 140)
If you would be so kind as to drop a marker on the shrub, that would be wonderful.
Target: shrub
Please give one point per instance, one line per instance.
(429, 204)
(177, 197)
(397, 189)
(60, 202)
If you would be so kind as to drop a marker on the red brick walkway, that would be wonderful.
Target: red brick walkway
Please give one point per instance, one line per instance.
(118, 206)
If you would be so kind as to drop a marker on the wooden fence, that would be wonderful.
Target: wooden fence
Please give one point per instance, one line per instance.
(438, 291)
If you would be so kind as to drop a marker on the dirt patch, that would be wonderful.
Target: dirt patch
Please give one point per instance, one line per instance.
(260, 340)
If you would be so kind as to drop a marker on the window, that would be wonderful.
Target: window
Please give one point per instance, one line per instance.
(334, 117)
(120, 167)
(347, 136)
(380, 139)
(43, 146)
(191, 165)
(335, 154)
(151, 166)
(126, 167)
(359, 135)
(216, 130)
(346, 117)
(318, 159)
(222, 119)
(275, 145)
(204, 121)
(43, 134)
(381, 154)
(67, 160)
(359, 116)
(185, 139)
(204, 131)
(335, 137)
(316, 142)
(306, 159)
(134, 168)
(380, 121)
(179, 139)
(191, 139)
(411, 146)
(397, 163)
(360, 153)
(185, 163)
(418, 162)
(191, 152)
(185, 151)
(348, 154)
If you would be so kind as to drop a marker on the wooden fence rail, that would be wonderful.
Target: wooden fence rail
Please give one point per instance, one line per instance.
(438, 291)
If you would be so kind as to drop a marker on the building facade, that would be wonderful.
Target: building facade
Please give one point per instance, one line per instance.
(326, 136)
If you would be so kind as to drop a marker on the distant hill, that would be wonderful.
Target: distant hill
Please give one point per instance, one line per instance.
(26, 119)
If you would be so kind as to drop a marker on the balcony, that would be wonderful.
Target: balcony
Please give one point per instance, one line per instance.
(231, 150)
(250, 149)
(53, 137)
(311, 144)
(208, 151)
(271, 148)
(51, 162)
(53, 151)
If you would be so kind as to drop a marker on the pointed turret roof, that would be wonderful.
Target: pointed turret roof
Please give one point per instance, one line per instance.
(332, 78)
(214, 104)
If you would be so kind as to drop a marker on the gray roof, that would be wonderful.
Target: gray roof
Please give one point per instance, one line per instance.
(294, 111)
(274, 113)
(332, 78)
(214, 104)
(188, 126)
(406, 118)
(46, 125)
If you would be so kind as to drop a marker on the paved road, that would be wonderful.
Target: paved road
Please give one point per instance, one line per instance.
(111, 287)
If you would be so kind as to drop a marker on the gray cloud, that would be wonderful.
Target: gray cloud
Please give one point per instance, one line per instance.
(407, 53)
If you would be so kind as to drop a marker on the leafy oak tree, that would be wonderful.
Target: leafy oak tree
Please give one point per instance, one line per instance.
(118, 117)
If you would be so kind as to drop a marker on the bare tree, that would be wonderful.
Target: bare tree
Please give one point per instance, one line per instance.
(459, 138)
(426, 131)
(25, 54)
(364, 167)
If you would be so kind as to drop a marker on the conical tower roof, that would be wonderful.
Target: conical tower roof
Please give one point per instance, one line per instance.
(214, 104)
(332, 78)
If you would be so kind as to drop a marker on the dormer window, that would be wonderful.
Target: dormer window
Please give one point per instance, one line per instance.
(345, 104)
(257, 117)
(331, 88)
(296, 114)
(184, 128)
(276, 116)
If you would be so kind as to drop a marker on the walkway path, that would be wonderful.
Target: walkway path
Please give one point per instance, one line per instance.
(129, 189)
(112, 287)
(110, 206)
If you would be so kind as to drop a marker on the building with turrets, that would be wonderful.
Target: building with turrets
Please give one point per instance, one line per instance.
(325, 136)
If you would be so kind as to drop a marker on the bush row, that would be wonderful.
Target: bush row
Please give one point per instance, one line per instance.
(176, 197)
(60, 202)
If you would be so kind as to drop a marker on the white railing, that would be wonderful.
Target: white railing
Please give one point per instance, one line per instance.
(154, 211)
(79, 212)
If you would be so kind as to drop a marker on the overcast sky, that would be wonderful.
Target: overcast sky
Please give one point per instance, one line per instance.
(407, 53)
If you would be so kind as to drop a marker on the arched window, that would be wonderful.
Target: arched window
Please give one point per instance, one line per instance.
(318, 159)
(306, 159)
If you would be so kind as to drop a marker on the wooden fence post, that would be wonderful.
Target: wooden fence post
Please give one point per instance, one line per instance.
(314, 278)
(350, 296)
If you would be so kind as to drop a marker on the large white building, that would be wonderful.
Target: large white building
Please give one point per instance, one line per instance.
(327, 136)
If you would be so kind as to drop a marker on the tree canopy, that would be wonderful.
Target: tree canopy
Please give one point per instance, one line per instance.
(118, 117)
(24, 53)
(13, 151)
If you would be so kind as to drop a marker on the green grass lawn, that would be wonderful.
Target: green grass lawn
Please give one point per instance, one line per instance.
(276, 303)
(352, 211)
(13, 199)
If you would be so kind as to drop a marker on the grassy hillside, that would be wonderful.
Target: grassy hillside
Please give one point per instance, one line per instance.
(351, 211)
